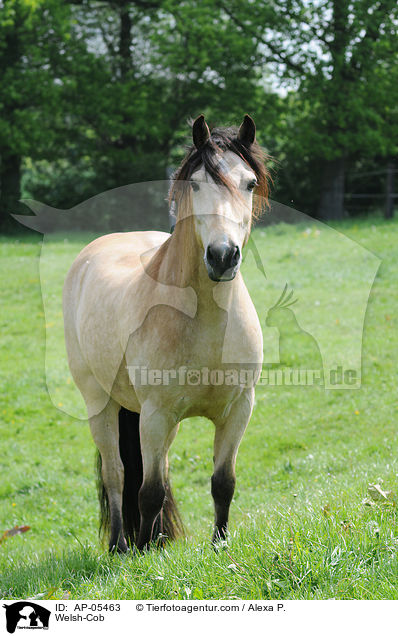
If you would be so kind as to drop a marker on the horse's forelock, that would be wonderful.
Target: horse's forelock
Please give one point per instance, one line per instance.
(222, 140)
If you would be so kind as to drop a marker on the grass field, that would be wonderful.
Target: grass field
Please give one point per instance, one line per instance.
(299, 526)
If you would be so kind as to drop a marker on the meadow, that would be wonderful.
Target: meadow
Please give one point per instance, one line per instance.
(304, 523)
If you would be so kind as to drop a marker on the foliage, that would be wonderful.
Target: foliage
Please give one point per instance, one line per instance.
(132, 98)
(342, 57)
(96, 93)
(338, 59)
(32, 34)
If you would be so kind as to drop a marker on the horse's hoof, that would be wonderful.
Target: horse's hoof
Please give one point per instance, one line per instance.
(119, 548)
(219, 545)
(219, 540)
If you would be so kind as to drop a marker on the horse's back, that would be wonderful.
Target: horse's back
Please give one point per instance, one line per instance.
(93, 296)
(121, 249)
(111, 257)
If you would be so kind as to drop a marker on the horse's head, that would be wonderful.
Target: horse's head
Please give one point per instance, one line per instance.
(218, 177)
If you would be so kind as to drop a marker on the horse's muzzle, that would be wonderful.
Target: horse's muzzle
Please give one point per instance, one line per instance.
(222, 261)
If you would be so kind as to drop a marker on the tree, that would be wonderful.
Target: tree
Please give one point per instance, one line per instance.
(339, 56)
(32, 36)
(165, 61)
(146, 67)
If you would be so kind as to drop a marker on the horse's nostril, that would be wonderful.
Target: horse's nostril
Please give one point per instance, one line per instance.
(222, 256)
(215, 254)
(209, 254)
(235, 256)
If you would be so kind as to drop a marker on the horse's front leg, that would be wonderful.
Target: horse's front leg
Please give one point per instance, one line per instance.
(229, 432)
(157, 431)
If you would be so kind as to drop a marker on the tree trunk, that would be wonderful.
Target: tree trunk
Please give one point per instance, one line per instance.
(125, 40)
(331, 202)
(389, 209)
(10, 190)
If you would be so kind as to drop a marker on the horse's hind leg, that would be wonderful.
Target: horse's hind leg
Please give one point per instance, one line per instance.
(105, 432)
(229, 432)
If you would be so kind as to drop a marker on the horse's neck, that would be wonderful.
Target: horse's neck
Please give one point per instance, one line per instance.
(179, 262)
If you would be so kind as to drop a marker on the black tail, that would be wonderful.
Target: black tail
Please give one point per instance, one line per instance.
(168, 523)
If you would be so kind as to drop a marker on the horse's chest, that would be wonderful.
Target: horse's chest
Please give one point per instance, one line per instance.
(191, 366)
(202, 341)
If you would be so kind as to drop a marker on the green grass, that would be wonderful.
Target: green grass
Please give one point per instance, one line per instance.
(299, 527)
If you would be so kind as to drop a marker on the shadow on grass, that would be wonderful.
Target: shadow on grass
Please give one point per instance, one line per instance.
(54, 574)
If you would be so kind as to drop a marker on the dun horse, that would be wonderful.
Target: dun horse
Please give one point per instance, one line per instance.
(165, 303)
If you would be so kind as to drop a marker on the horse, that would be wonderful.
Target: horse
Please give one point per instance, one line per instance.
(141, 305)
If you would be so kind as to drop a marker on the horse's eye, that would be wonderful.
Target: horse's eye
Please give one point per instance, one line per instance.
(251, 185)
(195, 186)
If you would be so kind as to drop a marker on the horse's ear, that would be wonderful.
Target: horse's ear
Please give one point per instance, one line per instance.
(200, 132)
(247, 131)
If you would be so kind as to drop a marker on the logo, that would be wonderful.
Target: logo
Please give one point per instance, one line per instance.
(26, 615)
